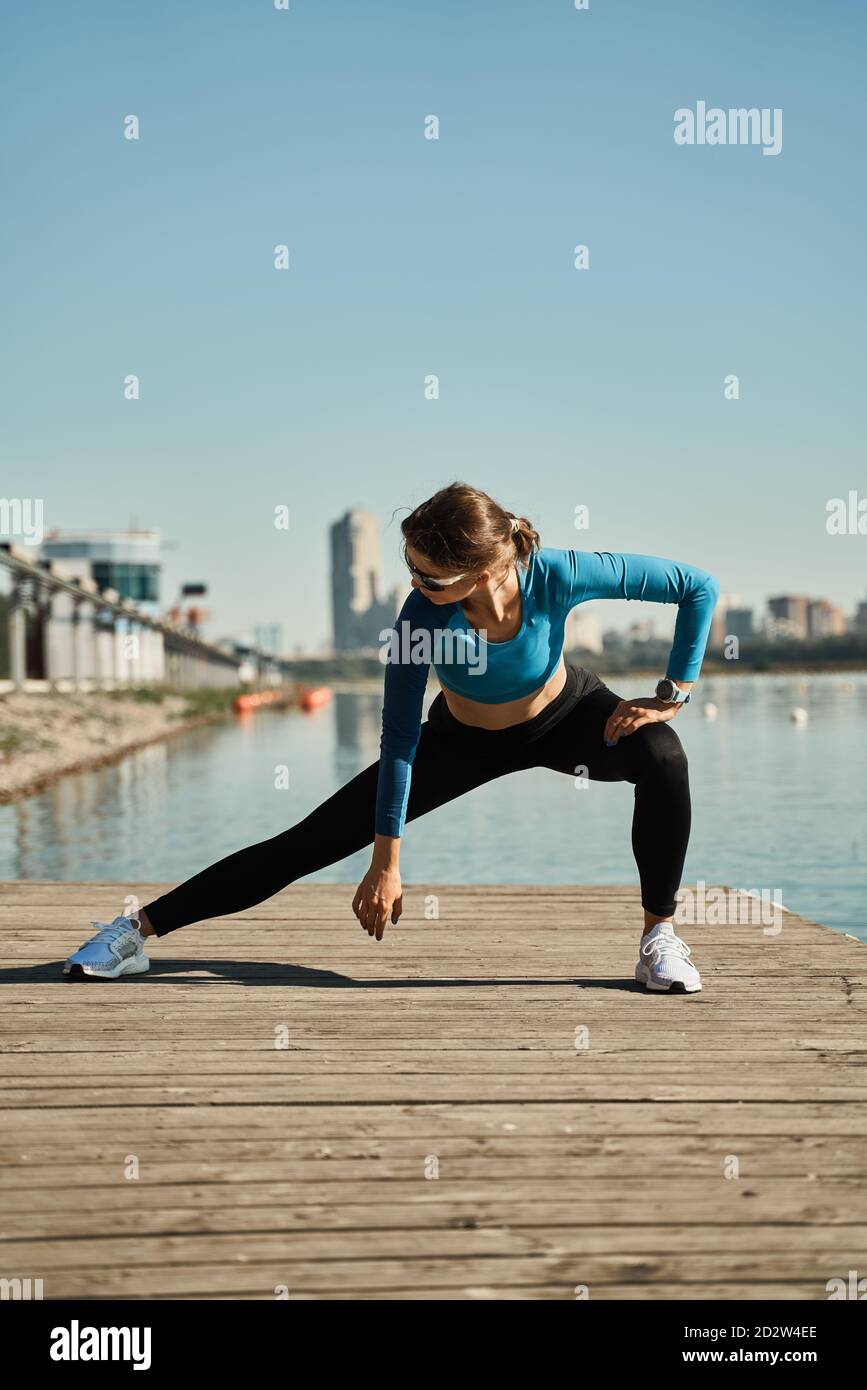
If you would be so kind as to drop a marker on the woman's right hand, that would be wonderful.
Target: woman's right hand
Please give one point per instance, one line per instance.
(378, 897)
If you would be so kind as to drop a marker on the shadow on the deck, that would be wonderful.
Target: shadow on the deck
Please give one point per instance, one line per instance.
(253, 973)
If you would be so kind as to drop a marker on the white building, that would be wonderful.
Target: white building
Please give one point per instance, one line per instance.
(126, 564)
(129, 562)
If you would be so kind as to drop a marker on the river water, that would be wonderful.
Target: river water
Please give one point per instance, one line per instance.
(777, 807)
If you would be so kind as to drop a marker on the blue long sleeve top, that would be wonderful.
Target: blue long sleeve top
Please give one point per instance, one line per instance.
(426, 634)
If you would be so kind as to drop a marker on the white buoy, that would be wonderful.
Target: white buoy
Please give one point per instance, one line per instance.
(799, 715)
(710, 710)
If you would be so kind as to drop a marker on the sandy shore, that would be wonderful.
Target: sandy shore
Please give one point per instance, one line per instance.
(42, 737)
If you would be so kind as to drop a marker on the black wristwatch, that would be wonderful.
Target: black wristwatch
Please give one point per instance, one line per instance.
(670, 694)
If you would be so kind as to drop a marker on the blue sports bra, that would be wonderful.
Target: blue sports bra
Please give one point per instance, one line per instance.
(427, 634)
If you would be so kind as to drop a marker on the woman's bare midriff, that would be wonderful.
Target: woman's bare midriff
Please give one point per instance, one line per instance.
(512, 711)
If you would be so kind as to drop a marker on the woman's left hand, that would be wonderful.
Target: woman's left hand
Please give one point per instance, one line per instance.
(632, 714)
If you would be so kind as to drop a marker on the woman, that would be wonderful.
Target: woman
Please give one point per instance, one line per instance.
(488, 610)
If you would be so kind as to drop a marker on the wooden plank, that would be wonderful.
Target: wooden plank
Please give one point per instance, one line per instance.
(373, 1089)
(496, 1158)
(547, 1292)
(799, 1244)
(391, 1278)
(349, 1201)
(440, 1118)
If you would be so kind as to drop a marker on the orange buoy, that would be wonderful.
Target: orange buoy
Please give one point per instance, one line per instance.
(312, 699)
(254, 700)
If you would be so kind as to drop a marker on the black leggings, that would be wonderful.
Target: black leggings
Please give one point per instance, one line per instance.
(451, 759)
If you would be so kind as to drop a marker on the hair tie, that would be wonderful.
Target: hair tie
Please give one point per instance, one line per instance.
(516, 524)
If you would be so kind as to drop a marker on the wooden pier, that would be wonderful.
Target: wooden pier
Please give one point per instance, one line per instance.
(284, 1107)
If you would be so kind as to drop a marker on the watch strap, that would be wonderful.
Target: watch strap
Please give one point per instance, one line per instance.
(680, 697)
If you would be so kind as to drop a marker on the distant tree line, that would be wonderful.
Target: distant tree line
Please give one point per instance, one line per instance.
(343, 666)
(848, 650)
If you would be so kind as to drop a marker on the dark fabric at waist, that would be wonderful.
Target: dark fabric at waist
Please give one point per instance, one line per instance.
(578, 684)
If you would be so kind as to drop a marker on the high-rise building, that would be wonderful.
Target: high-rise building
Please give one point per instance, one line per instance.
(582, 631)
(718, 630)
(789, 615)
(825, 619)
(739, 624)
(359, 614)
(860, 620)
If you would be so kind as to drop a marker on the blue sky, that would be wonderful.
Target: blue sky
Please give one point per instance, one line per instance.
(454, 257)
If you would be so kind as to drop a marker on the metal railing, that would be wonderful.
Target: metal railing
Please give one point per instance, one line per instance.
(67, 634)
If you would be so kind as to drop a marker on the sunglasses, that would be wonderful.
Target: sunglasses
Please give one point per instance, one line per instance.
(436, 586)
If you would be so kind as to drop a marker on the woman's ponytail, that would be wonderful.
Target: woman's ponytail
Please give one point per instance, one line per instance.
(524, 535)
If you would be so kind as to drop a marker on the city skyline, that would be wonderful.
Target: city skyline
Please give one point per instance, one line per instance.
(362, 603)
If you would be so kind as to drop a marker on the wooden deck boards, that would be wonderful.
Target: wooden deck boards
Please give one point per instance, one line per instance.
(429, 1130)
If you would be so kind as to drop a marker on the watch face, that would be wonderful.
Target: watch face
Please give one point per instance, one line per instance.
(665, 689)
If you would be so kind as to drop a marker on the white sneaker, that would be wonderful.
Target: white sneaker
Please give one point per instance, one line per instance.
(117, 949)
(664, 962)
